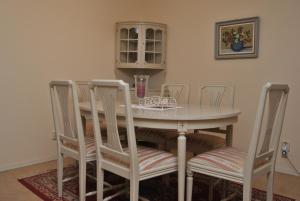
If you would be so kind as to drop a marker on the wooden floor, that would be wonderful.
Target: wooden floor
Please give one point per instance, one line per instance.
(12, 190)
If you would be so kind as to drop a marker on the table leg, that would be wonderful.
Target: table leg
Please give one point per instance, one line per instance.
(181, 143)
(229, 133)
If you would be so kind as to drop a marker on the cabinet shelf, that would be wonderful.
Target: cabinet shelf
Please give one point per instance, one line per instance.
(144, 67)
(150, 40)
(128, 39)
(153, 52)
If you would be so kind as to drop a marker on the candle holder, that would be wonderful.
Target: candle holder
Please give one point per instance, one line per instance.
(141, 85)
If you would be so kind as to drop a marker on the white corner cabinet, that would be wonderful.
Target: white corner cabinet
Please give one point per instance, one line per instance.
(141, 49)
(140, 45)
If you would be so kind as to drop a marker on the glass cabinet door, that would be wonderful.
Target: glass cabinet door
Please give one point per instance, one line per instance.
(129, 38)
(153, 46)
(140, 45)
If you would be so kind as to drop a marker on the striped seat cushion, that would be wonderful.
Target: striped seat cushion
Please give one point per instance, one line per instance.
(225, 158)
(153, 159)
(149, 159)
(89, 144)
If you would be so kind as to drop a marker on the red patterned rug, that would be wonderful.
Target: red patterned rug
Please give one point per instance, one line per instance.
(44, 186)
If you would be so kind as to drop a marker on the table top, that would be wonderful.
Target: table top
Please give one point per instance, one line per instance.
(185, 113)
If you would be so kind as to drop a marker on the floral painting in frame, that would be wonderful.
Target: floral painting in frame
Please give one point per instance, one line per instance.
(237, 38)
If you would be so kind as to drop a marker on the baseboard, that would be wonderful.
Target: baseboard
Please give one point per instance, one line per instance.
(286, 171)
(26, 163)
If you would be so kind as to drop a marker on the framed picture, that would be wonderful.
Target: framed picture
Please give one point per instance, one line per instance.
(237, 38)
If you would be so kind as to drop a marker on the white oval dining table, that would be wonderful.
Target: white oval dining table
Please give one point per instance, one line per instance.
(183, 119)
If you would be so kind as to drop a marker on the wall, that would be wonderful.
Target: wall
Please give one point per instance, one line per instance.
(45, 40)
(190, 56)
(42, 41)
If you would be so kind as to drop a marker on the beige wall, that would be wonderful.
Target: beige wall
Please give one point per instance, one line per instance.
(45, 40)
(190, 56)
(42, 41)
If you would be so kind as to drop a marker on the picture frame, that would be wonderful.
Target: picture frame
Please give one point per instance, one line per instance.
(237, 38)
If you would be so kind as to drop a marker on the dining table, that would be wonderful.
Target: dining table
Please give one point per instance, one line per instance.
(184, 120)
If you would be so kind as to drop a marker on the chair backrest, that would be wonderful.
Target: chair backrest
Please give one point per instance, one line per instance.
(104, 95)
(178, 91)
(267, 129)
(83, 91)
(216, 95)
(66, 114)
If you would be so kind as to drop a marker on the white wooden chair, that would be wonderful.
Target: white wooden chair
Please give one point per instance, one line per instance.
(231, 164)
(69, 133)
(71, 141)
(176, 90)
(216, 95)
(212, 96)
(205, 140)
(133, 162)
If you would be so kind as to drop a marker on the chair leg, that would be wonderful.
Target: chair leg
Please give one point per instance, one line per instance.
(100, 183)
(60, 171)
(247, 191)
(225, 188)
(166, 180)
(82, 180)
(189, 186)
(210, 190)
(165, 146)
(270, 180)
(134, 190)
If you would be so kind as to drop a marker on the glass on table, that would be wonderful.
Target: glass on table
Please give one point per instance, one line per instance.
(141, 85)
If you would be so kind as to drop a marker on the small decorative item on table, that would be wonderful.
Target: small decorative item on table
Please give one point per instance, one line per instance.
(237, 38)
(158, 102)
(141, 85)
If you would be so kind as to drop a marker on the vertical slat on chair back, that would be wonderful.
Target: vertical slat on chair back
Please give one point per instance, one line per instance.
(269, 120)
(108, 97)
(66, 114)
(104, 94)
(178, 91)
(83, 91)
(216, 95)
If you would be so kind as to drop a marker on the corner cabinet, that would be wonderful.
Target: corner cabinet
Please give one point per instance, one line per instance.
(141, 50)
(140, 45)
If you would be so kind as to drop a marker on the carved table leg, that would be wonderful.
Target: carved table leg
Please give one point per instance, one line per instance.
(181, 140)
